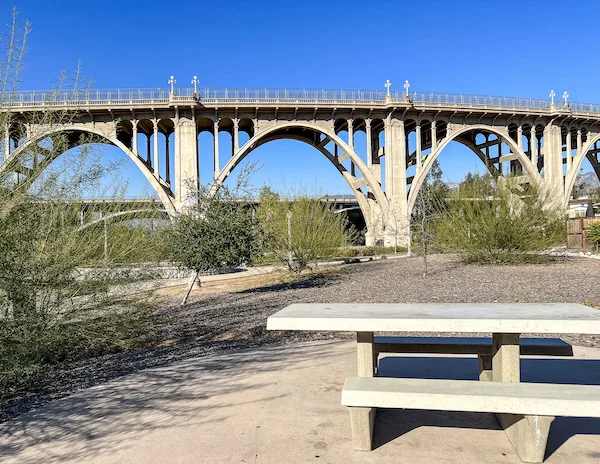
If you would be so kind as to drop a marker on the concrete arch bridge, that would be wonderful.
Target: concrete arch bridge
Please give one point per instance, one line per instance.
(539, 141)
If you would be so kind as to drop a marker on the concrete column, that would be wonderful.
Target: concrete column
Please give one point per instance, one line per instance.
(236, 137)
(553, 176)
(579, 143)
(569, 150)
(520, 137)
(216, 148)
(547, 154)
(156, 162)
(187, 171)
(167, 160)
(134, 146)
(433, 136)
(350, 134)
(369, 144)
(148, 150)
(351, 145)
(398, 140)
(376, 162)
(419, 161)
(389, 158)
(533, 147)
(396, 226)
(375, 220)
(6, 142)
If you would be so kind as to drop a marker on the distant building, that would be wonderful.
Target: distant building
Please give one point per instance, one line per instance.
(578, 207)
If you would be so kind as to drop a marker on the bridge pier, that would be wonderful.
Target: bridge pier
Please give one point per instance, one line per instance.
(396, 216)
(186, 160)
(553, 164)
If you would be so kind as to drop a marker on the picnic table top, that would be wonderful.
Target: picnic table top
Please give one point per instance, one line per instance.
(440, 317)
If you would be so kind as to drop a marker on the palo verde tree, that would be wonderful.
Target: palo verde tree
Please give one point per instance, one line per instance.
(499, 222)
(43, 247)
(219, 229)
(302, 230)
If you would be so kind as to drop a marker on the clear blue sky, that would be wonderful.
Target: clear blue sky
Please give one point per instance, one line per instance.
(512, 48)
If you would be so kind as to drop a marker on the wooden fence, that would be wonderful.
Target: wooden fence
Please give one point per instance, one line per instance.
(576, 231)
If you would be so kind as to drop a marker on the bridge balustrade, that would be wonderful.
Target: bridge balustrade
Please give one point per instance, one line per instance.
(92, 97)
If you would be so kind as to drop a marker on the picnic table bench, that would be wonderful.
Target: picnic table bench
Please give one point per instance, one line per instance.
(480, 346)
(524, 410)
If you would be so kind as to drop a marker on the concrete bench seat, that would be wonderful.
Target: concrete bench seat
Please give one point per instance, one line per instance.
(525, 410)
(481, 346)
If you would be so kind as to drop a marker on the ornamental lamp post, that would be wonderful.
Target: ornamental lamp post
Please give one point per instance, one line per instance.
(195, 81)
(565, 98)
(552, 95)
(172, 81)
(406, 87)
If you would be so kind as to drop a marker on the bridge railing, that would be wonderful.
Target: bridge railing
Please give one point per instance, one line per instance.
(108, 97)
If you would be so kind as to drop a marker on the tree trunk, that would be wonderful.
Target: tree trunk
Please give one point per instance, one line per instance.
(23, 302)
(193, 278)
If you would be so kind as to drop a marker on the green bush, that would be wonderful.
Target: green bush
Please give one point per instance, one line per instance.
(593, 235)
(500, 223)
(315, 230)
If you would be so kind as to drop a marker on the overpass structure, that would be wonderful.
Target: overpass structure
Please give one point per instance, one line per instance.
(96, 211)
(541, 142)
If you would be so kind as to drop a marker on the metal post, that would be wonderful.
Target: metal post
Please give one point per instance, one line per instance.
(105, 243)
(289, 215)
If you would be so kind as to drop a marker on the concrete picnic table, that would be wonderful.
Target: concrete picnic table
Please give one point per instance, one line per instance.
(506, 321)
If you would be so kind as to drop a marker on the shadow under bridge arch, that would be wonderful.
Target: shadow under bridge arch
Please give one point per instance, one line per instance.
(319, 137)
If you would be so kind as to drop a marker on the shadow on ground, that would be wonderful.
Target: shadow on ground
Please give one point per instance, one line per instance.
(393, 423)
(319, 280)
(76, 428)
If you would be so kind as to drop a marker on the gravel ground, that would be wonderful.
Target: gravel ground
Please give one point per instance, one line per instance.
(234, 320)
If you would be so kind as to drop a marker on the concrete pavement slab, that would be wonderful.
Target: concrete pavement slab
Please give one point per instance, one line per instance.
(281, 404)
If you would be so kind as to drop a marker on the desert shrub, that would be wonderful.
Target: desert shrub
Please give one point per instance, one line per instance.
(315, 231)
(593, 235)
(499, 223)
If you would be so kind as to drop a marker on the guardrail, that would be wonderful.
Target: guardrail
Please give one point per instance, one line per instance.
(99, 98)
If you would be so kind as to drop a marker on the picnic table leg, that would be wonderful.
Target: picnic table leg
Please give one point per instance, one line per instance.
(506, 359)
(528, 434)
(362, 420)
(485, 367)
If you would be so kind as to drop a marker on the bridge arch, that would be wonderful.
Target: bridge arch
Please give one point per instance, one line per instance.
(161, 190)
(577, 161)
(318, 137)
(503, 137)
